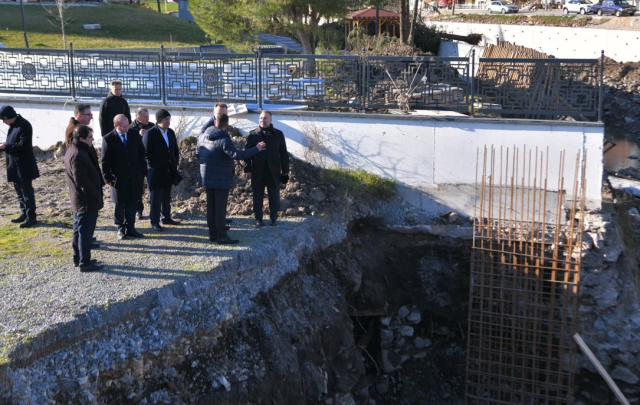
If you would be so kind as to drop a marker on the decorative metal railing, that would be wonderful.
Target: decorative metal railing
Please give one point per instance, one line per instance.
(517, 88)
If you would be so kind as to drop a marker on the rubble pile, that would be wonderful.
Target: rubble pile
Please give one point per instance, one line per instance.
(305, 194)
(622, 96)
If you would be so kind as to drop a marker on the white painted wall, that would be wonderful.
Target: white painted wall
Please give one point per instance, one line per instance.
(561, 42)
(433, 154)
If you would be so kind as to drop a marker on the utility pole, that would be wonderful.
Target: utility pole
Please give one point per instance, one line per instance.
(24, 27)
(377, 21)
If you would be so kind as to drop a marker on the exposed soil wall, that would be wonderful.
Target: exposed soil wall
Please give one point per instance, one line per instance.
(378, 318)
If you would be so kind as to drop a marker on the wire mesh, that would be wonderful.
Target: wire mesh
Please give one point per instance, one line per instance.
(525, 273)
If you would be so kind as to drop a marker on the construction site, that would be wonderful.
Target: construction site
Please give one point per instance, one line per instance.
(488, 257)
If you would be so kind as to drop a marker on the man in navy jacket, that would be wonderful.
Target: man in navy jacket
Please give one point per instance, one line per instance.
(216, 153)
(22, 168)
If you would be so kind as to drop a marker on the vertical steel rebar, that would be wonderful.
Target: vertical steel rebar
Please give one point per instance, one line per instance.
(472, 95)
(601, 89)
(524, 272)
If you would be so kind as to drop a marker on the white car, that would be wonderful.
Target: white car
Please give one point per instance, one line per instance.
(577, 6)
(503, 7)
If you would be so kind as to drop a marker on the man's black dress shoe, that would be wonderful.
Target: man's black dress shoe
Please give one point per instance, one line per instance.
(156, 227)
(29, 223)
(170, 221)
(259, 223)
(20, 219)
(95, 266)
(227, 241)
(134, 233)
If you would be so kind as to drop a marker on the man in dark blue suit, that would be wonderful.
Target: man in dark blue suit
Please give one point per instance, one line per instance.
(123, 164)
(162, 156)
(22, 168)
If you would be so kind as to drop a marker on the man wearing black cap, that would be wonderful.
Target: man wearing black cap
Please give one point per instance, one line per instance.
(162, 155)
(22, 168)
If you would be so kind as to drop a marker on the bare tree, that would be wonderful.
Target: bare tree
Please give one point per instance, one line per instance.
(58, 18)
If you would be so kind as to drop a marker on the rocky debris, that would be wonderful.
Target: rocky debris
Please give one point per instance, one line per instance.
(629, 172)
(305, 194)
(631, 187)
(609, 313)
(622, 95)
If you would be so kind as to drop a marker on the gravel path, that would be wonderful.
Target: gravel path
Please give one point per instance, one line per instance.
(40, 288)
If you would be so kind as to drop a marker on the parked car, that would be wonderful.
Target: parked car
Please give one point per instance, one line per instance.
(501, 6)
(617, 7)
(577, 6)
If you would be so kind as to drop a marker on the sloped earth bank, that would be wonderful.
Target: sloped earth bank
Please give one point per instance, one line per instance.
(377, 318)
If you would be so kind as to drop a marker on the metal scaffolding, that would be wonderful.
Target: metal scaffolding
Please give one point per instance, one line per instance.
(523, 307)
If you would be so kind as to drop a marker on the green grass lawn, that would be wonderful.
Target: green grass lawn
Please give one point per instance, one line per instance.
(165, 7)
(123, 26)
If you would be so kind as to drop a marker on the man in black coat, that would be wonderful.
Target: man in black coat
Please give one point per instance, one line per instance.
(141, 125)
(22, 168)
(111, 106)
(85, 191)
(123, 166)
(268, 169)
(162, 156)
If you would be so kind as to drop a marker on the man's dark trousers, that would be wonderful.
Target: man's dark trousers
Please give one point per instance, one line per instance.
(83, 226)
(124, 216)
(160, 205)
(258, 195)
(26, 197)
(217, 212)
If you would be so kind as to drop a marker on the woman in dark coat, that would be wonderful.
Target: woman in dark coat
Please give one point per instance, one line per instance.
(85, 191)
(22, 168)
(216, 153)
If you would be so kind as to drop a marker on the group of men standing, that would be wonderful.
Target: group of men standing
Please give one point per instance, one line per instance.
(133, 151)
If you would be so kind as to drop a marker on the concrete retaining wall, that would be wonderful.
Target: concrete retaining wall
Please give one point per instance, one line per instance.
(561, 42)
(434, 154)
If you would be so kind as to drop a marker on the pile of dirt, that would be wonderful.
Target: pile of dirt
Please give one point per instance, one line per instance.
(622, 95)
(306, 193)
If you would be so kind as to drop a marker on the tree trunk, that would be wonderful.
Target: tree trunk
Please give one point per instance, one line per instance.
(413, 23)
(306, 40)
(404, 23)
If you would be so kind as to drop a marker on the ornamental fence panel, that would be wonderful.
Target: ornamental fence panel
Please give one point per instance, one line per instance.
(34, 72)
(514, 88)
(426, 82)
(539, 88)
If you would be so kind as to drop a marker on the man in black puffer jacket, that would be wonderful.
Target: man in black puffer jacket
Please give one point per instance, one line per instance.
(216, 153)
(111, 106)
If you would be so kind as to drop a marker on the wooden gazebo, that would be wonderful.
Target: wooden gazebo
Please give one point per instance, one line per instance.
(362, 18)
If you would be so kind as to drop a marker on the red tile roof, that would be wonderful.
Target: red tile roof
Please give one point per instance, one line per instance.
(371, 13)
